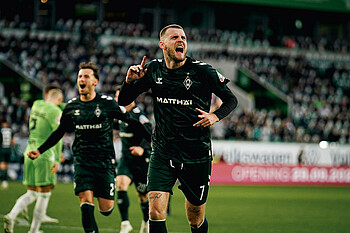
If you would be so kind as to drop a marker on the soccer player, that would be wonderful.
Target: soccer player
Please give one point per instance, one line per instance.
(39, 175)
(7, 142)
(91, 117)
(181, 146)
(133, 166)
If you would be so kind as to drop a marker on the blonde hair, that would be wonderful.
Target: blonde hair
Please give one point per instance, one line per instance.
(55, 93)
(55, 96)
(164, 30)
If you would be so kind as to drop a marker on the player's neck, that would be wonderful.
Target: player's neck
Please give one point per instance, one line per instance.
(172, 64)
(88, 97)
(53, 101)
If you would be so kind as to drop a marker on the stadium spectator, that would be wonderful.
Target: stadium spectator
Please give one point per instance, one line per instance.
(7, 144)
(182, 89)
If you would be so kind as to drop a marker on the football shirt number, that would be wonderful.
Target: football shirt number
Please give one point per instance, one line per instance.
(33, 120)
(111, 192)
(202, 187)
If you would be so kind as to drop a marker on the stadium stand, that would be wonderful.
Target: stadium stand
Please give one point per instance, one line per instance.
(314, 74)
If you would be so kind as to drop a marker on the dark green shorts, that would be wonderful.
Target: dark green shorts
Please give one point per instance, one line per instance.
(100, 180)
(194, 178)
(137, 171)
(5, 154)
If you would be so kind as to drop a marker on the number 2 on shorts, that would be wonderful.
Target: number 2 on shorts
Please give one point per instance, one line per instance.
(111, 192)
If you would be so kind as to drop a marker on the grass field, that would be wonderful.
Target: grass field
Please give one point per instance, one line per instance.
(230, 209)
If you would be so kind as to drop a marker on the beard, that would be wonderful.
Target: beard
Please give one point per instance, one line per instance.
(171, 54)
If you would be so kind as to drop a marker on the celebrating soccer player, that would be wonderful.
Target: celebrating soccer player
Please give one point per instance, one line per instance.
(91, 117)
(181, 146)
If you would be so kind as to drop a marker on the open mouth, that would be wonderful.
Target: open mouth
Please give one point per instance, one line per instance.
(82, 86)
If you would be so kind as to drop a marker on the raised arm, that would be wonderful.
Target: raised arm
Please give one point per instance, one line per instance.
(136, 72)
(134, 84)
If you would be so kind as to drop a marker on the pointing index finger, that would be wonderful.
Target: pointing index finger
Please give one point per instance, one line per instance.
(143, 61)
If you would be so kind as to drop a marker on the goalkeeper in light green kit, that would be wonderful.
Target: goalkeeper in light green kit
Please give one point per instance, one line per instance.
(40, 174)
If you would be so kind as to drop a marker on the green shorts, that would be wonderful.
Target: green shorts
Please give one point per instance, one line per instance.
(194, 178)
(37, 172)
(136, 171)
(99, 180)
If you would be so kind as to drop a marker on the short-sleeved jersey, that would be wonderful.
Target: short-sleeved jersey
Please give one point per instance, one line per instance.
(92, 123)
(131, 137)
(44, 119)
(176, 95)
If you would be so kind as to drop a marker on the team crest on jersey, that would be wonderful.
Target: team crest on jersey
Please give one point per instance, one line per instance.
(98, 111)
(188, 82)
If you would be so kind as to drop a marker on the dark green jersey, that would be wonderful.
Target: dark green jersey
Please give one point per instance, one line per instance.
(92, 123)
(176, 95)
(131, 137)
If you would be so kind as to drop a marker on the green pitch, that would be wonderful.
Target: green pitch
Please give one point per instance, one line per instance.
(230, 209)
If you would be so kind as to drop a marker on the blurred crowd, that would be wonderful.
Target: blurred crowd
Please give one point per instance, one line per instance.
(317, 84)
(319, 94)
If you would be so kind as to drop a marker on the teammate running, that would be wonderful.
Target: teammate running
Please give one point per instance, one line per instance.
(91, 117)
(133, 167)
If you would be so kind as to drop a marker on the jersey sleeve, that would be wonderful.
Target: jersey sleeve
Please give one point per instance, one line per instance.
(219, 87)
(66, 125)
(121, 114)
(54, 137)
(54, 121)
(142, 118)
(66, 121)
(145, 142)
(118, 112)
(58, 151)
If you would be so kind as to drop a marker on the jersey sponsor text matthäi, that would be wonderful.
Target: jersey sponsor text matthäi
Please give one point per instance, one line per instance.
(92, 123)
(176, 95)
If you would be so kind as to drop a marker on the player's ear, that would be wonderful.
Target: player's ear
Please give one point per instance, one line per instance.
(161, 45)
(96, 82)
